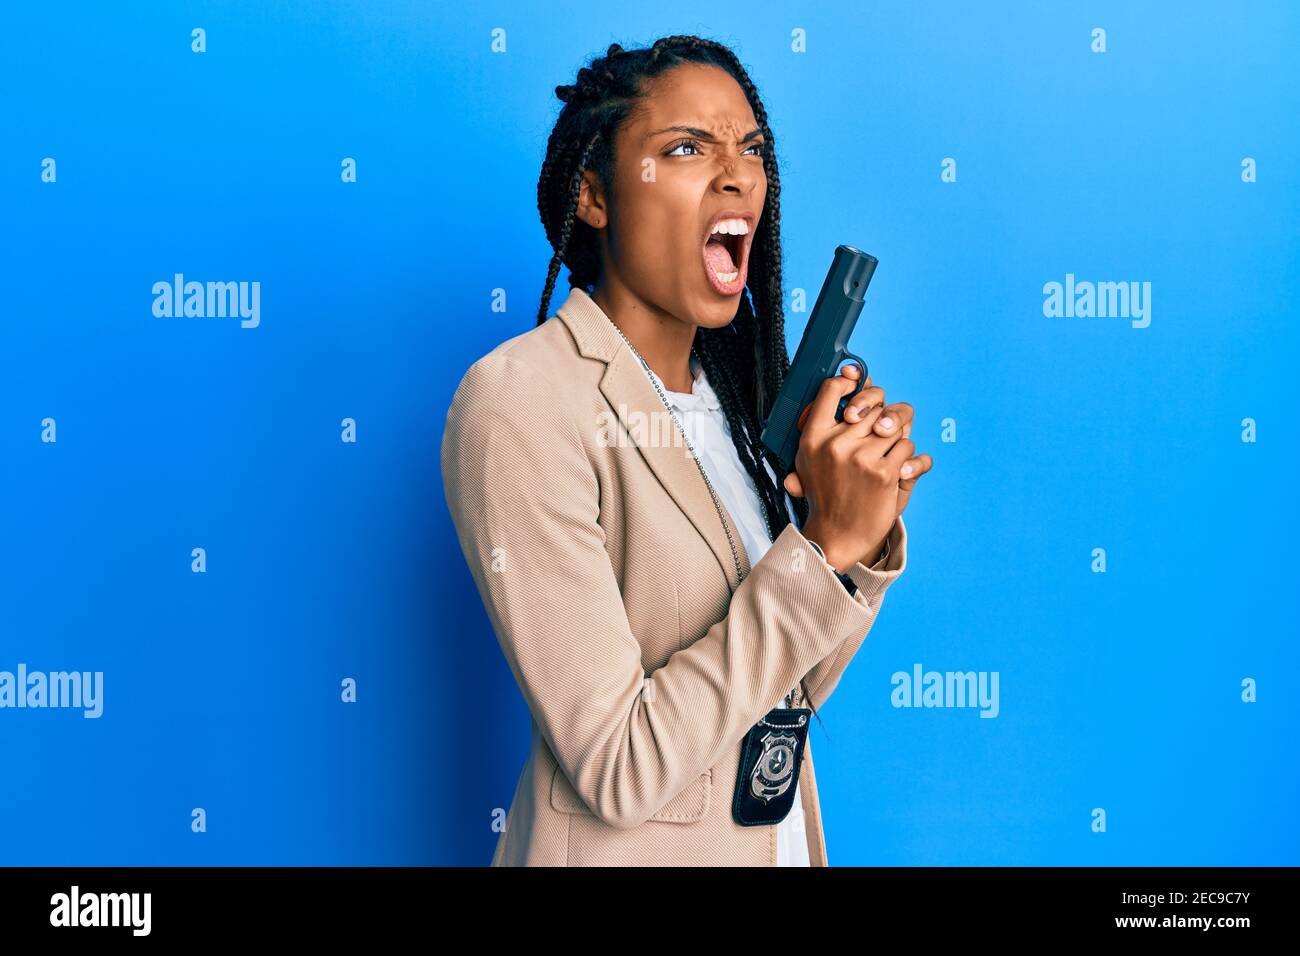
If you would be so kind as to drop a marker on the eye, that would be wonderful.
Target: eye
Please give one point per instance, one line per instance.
(692, 144)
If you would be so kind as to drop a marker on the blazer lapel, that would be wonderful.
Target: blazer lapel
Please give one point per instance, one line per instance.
(632, 397)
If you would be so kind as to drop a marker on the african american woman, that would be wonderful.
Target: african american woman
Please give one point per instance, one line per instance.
(659, 583)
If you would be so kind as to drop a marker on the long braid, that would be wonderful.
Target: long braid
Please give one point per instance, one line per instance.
(745, 361)
(570, 216)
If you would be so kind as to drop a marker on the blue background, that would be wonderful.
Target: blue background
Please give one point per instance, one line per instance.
(326, 560)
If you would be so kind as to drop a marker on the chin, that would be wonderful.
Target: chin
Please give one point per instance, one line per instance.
(719, 316)
(711, 311)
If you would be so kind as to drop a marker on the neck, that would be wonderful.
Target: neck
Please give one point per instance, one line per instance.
(662, 339)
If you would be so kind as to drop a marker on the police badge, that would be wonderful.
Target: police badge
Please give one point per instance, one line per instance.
(770, 757)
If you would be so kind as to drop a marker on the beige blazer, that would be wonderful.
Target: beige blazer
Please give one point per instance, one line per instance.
(606, 573)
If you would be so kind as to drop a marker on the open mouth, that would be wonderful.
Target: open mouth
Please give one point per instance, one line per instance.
(726, 254)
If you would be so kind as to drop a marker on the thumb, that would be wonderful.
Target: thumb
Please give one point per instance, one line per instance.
(794, 485)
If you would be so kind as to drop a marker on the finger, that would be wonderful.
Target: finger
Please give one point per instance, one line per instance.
(853, 370)
(794, 485)
(903, 449)
(894, 419)
(850, 371)
(858, 405)
(852, 433)
(914, 468)
(822, 415)
(911, 470)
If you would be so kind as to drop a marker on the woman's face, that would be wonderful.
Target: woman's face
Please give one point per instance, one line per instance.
(691, 154)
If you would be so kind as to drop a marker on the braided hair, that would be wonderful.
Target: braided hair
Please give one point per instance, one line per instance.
(745, 361)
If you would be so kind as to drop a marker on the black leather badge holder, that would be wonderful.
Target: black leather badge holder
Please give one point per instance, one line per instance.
(770, 757)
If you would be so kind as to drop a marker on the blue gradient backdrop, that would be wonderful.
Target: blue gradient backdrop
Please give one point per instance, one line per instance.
(329, 560)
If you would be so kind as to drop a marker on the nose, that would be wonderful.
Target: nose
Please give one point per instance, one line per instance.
(735, 177)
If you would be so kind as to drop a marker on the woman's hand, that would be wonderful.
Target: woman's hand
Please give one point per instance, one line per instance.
(852, 471)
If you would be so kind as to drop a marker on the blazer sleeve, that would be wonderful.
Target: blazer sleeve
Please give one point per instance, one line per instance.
(525, 498)
(872, 583)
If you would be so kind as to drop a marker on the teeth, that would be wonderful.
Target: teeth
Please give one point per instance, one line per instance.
(732, 227)
(726, 278)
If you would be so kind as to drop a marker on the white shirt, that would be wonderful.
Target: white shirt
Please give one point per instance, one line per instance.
(707, 427)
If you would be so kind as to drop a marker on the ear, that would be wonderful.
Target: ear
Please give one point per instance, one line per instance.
(591, 201)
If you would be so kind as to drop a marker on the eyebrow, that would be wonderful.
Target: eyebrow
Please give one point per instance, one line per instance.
(703, 134)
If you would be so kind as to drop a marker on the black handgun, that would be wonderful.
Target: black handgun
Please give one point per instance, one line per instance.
(822, 350)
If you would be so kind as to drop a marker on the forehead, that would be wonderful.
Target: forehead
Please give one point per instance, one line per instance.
(694, 94)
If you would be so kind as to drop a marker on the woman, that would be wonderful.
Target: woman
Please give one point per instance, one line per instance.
(611, 531)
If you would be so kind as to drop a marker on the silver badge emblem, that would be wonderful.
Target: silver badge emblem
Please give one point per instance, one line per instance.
(774, 768)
